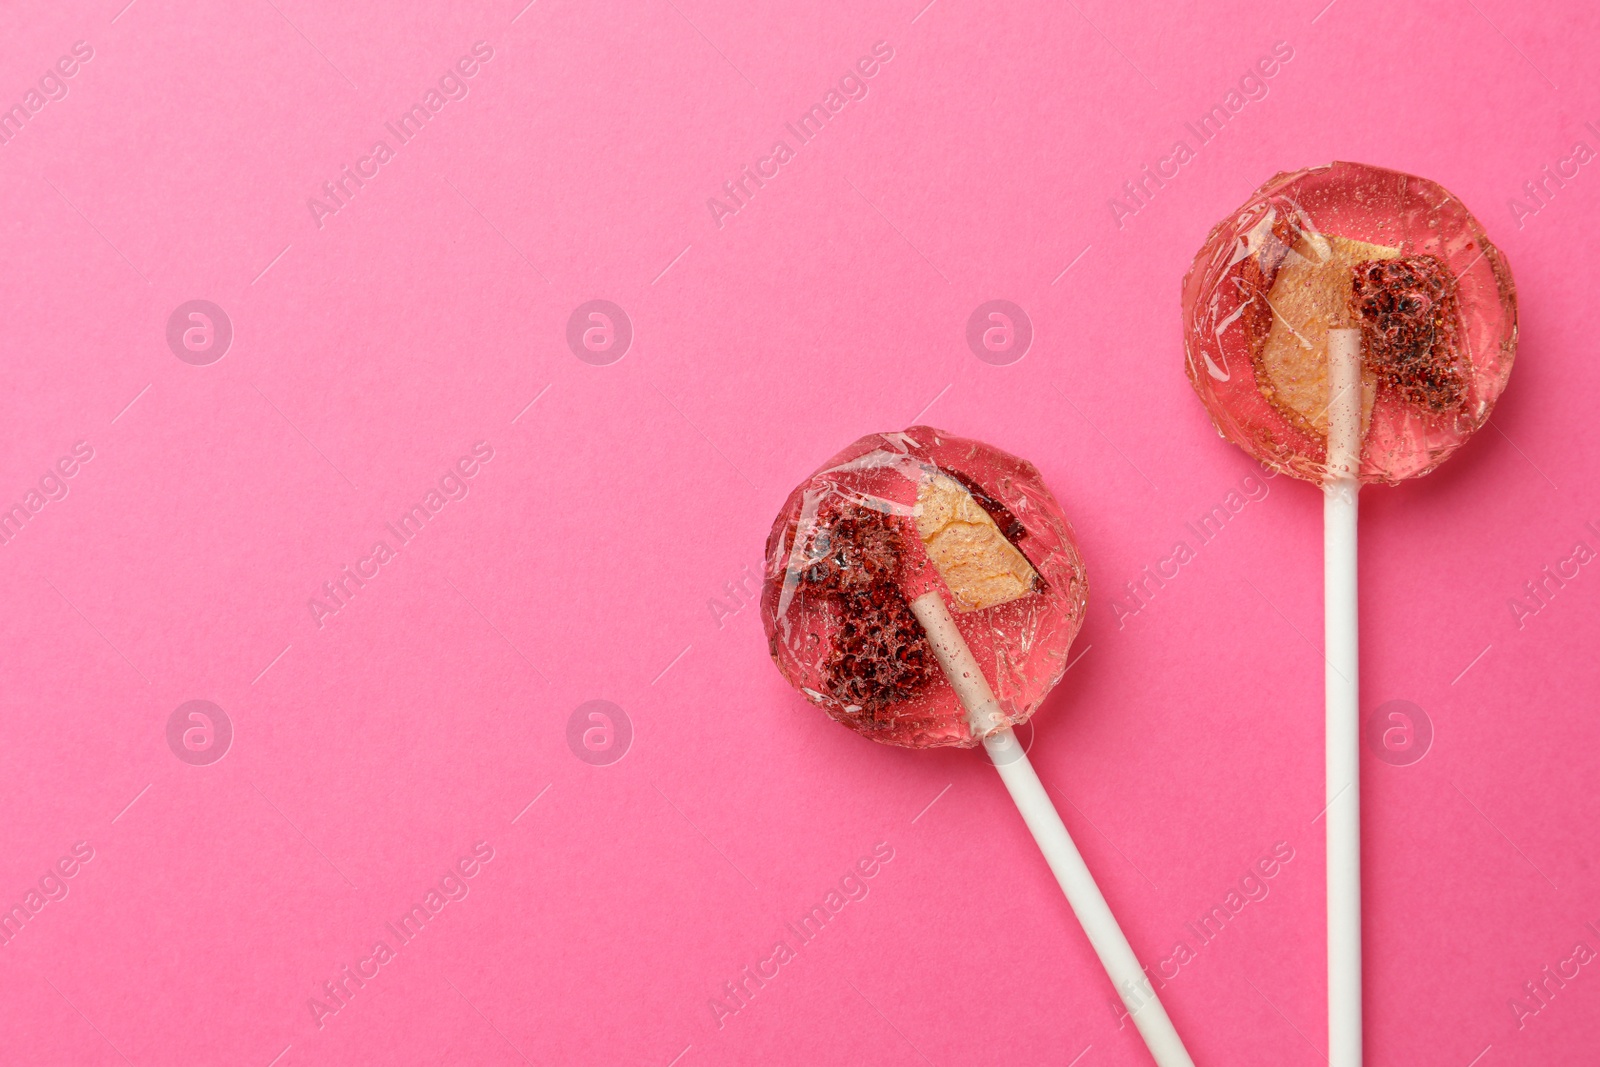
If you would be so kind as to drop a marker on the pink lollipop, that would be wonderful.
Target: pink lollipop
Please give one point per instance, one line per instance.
(1348, 325)
(865, 563)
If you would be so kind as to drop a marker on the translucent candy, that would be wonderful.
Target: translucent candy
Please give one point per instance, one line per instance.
(1347, 245)
(897, 515)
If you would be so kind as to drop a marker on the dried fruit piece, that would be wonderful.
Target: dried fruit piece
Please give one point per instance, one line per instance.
(1311, 294)
(1408, 312)
(1009, 524)
(980, 567)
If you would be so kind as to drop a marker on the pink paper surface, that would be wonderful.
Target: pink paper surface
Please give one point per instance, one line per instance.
(608, 546)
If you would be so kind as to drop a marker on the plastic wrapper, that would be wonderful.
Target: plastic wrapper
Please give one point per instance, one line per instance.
(1353, 246)
(892, 517)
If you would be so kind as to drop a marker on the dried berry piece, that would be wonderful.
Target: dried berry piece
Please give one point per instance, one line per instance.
(878, 656)
(1408, 313)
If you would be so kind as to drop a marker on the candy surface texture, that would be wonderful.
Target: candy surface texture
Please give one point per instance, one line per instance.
(897, 515)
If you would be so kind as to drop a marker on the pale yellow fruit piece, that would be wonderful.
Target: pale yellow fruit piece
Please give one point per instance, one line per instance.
(977, 563)
(1311, 294)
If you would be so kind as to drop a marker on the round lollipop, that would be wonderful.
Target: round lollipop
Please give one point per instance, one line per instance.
(1348, 325)
(923, 590)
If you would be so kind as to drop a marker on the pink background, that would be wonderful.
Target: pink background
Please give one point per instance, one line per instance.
(590, 557)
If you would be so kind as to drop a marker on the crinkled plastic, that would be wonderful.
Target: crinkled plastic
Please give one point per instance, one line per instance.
(851, 548)
(1356, 246)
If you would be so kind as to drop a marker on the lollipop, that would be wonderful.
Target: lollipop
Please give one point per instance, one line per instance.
(923, 590)
(1348, 325)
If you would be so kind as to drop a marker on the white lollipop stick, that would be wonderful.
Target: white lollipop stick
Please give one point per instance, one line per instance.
(1342, 692)
(986, 719)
